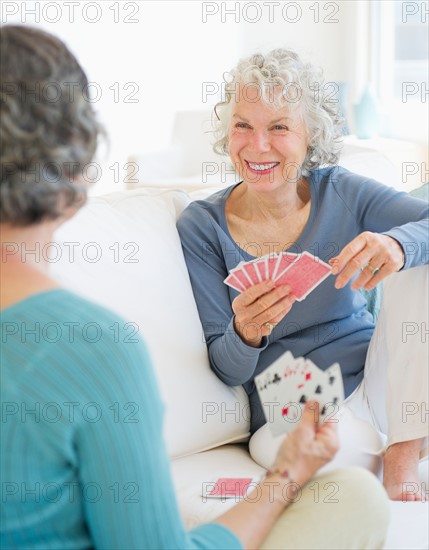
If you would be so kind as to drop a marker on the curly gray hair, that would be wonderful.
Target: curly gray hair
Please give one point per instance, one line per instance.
(48, 128)
(299, 85)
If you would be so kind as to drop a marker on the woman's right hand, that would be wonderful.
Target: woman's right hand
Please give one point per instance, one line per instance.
(259, 308)
(309, 447)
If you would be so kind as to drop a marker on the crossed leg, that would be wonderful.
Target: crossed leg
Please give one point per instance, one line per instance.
(397, 368)
(392, 399)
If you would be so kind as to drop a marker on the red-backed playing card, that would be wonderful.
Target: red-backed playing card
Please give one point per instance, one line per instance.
(261, 268)
(229, 487)
(250, 270)
(234, 283)
(271, 262)
(286, 259)
(304, 275)
(242, 278)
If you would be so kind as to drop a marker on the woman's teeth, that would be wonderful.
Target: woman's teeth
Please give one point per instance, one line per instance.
(262, 166)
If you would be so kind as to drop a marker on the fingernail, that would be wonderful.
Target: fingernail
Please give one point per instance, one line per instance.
(335, 269)
(338, 284)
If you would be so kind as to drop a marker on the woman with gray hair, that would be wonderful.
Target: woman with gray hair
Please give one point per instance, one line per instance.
(282, 132)
(82, 482)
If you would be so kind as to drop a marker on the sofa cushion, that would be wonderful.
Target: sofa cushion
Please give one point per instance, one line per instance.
(193, 474)
(421, 192)
(408, 527)
(127, 256)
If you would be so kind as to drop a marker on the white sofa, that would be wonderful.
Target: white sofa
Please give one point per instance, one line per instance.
(123, 251)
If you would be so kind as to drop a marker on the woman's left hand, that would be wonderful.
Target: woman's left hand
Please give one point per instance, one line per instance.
(375, 254)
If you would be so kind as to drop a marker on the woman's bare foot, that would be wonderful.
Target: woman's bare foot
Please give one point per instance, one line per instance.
(401, 479)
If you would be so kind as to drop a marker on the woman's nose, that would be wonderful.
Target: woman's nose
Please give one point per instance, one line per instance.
(260, 142)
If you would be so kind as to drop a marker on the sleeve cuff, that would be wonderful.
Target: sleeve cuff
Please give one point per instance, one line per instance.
(216, 536)
(394, 235)
(245, 349)
(402, 248)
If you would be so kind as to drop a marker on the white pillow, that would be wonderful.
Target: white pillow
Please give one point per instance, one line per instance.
(155, 293)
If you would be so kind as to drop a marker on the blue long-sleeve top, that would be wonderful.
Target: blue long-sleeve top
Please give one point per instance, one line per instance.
(330, 325)
(83, 461)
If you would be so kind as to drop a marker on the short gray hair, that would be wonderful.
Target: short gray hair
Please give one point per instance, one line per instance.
(48, 128)
(302, 86)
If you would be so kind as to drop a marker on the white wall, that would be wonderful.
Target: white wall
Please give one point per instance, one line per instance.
(175, 49)
(162, 60)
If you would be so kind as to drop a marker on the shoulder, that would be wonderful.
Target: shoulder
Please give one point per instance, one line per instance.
(201, 216)
(348, 186)
(211, 206)
(85, 336)
(337, 178)
(67, 349)
(67, 304)
(97, 324)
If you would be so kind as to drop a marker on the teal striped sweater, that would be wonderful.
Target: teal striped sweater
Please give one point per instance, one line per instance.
(83, 462)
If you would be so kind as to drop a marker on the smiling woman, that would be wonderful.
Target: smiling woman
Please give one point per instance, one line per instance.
(282, 132)
(283, 82)
(263, 145)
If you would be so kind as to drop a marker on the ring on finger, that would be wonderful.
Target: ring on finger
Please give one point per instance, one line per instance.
(374, 270)
(269, 326)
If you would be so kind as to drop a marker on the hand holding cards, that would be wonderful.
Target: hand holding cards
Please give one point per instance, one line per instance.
(286, 385)
(302, 272)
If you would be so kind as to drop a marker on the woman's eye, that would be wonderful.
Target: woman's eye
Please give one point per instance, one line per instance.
(242, 125)
(280, 127)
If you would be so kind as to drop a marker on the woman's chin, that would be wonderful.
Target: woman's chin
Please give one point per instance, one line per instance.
(263, 183)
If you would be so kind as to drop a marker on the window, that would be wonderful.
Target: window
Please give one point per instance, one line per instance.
(400, 66)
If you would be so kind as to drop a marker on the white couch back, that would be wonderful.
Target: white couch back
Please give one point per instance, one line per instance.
(128, 257)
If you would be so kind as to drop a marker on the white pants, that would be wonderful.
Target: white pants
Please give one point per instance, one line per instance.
(391, 403)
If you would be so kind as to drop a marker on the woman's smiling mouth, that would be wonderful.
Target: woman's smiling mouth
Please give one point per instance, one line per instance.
(261, 167)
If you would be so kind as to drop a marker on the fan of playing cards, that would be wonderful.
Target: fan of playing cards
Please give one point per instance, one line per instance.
(302, 272)
(290, 382)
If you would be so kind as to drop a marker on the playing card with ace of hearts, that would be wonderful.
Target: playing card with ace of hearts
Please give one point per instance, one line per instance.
(270, 385)
(289, 383)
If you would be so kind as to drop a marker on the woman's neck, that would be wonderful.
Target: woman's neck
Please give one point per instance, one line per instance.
(275, 205)
(24, 261)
